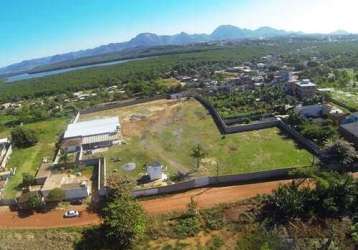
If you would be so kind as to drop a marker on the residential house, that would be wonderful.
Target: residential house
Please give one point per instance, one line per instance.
(311, 111)
(75, 187)
(302, 89)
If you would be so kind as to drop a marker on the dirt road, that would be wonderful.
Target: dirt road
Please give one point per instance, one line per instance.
(205, 197)
(52, 219)
(208, 197)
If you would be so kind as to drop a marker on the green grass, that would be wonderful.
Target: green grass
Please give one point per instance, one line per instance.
(171, 138)
(29, 159)
(40, 239)
(350, 99)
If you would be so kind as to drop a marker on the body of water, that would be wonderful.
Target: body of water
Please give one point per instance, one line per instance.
(59, 71)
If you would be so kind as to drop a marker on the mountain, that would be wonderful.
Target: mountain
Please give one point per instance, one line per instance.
(340, 33)
(230, 32)
(147, 40)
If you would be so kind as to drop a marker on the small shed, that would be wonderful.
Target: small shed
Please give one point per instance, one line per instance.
(155, 171)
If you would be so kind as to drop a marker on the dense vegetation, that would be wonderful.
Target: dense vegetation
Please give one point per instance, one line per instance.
(252, 103)
(142, 73)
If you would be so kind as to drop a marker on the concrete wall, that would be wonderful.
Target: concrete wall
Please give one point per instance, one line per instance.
(278, 174)
(6, 157)
(111, 105)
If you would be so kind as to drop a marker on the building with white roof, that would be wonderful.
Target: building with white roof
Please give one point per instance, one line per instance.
(303, 89)
(91, 134)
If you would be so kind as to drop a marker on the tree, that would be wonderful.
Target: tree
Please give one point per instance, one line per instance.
(124, 221)
(23, 137)
(30, 201)
(27, 179)
(198, 153)
(341, 152)
(56, 195)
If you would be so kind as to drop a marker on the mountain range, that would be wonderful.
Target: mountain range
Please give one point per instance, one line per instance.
(147, 40)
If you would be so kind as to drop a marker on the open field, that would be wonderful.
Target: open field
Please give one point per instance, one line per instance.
(166, 131)
(28, 160)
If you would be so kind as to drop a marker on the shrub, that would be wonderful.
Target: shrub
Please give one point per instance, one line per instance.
(213, 219)
(187, 226)
(30, 201)
(27, 180)
(23, 137)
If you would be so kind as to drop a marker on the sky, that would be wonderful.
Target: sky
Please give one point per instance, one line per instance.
(37, 28)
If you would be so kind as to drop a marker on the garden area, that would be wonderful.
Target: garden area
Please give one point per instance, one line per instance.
(168, 131)
(28, 159)
(251, 103)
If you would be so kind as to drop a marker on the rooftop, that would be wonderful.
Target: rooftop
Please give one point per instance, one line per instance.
(93, 127)
(306, 83)
(351, 128)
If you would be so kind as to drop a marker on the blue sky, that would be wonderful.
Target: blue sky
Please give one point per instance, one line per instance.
(37, 28)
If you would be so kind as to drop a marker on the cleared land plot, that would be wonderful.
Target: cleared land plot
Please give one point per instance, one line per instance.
(29, 159)
(167, 130)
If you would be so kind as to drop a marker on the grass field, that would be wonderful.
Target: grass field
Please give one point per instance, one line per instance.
(167, 130)
(28, 160)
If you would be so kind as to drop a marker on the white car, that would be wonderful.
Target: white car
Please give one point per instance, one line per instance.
(71, 214)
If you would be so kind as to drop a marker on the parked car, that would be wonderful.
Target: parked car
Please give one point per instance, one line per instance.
(71, 214)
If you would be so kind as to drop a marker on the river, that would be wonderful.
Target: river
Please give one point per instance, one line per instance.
(59, 71)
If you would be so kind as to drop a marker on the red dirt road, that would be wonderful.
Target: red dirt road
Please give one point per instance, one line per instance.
(207, 197)
(52, 219)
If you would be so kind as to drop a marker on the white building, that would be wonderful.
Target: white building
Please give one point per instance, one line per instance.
(92, 134)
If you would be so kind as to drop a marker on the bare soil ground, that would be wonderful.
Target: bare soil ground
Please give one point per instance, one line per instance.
(52, 219)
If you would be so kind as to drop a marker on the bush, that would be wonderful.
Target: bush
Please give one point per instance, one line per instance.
(30, 201)
(27, 180)
(213, 219)
(23, 137)
(187, 226)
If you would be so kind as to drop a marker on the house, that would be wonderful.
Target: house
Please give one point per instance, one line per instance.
(93, 134)
(5, 152)
(350, 132)
(311, 111)
(350, 119)
(155, 171)
(302, 89)
(75, 187)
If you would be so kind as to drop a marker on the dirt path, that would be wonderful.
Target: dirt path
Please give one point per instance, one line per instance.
(207, 197)
(52, 219)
